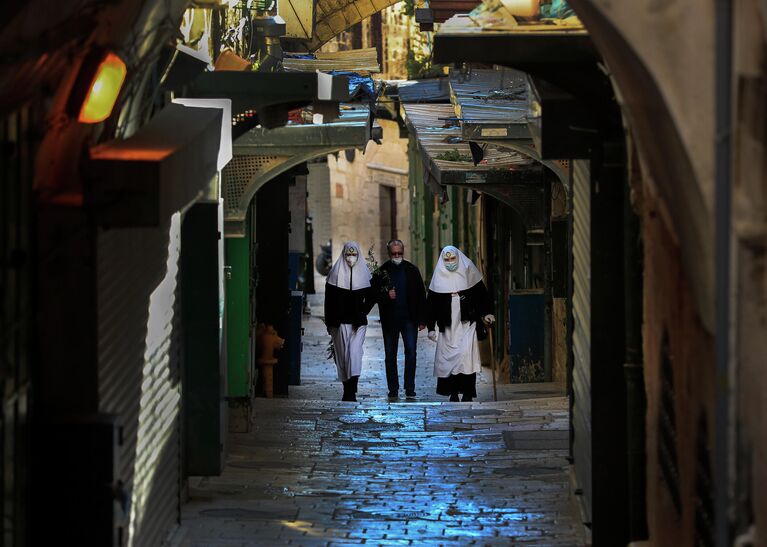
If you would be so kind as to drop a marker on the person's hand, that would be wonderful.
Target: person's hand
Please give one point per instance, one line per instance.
(392, 294)
(489, 319)
(433, 335)
(421, 327)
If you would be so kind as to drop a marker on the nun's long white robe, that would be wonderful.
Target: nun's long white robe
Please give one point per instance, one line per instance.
(457, 348)
(348, 345)
(347, 342)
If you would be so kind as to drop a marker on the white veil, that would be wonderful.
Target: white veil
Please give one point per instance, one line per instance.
(465, 277)
(344, 277)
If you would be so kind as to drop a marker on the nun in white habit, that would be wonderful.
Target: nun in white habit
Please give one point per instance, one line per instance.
(348, 299)
(457, 302)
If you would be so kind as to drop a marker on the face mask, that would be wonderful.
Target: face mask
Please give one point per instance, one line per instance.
(397, 260)
(351, 260)
(453, 258)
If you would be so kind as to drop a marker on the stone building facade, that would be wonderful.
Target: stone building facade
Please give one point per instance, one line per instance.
(369, 198)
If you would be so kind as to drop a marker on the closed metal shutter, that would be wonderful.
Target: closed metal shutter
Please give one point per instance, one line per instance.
(139, 370)
(19, 140)
(581, 413)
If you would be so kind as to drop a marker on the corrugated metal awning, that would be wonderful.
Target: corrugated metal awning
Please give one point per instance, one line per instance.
(448, 156)
(493, 108)
(431, 90)
(491, 104)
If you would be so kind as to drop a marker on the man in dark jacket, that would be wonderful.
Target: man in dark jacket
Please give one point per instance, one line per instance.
(403, 312)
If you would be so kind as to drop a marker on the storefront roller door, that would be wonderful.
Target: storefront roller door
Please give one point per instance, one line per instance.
(139, 370)
(581, 408)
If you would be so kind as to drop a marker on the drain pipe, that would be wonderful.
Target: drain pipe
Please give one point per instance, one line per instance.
(723, 128)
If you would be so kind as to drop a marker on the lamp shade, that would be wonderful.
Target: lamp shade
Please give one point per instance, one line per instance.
(101, 77)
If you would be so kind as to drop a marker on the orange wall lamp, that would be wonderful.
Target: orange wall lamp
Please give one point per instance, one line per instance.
(97, 86)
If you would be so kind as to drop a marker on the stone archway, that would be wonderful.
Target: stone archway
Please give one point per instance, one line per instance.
(335, 16)
(664, 154)
(245, 174)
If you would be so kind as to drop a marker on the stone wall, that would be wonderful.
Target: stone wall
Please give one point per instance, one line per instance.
(318, 203)
(359, 190)
(672, 332)
(400, 34)
(662, 58)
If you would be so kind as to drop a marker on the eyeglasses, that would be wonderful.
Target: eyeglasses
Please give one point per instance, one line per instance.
(396, 254)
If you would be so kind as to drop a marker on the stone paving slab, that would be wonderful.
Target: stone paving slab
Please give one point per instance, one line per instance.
(315, 471)
(336, 483)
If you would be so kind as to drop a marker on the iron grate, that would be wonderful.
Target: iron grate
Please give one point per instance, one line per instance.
(238, 174)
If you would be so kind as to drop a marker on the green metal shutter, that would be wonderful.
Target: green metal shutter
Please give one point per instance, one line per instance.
(581, 408)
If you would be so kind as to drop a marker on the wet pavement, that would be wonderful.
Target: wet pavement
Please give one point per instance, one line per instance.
(318, 471)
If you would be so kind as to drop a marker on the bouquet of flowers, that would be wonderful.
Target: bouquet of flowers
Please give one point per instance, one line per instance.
(381, 277)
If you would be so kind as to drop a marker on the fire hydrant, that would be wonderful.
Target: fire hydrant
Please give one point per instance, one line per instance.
(268, 342)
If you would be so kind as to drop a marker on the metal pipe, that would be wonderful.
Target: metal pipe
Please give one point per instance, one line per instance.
(723, 21)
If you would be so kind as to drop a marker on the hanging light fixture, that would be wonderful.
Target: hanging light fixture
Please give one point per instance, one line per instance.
(98, 85)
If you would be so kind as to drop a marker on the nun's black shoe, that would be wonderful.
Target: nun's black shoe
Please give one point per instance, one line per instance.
(410, 394)
(393, 395)
(466, 399)
(454, 398)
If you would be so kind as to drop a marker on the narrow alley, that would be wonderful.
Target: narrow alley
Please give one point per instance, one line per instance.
(318, 471)
(559, 205)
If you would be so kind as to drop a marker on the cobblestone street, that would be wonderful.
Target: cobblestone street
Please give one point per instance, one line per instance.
(317, 471)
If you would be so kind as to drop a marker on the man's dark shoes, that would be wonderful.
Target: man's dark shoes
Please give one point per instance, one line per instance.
(410, 394)
(454, 398)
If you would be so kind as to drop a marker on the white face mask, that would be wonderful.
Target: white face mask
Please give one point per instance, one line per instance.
(351, 260)
(451, 266)
(397, 260)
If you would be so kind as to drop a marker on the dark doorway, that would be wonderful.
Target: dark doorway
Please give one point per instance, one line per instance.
(387, 204)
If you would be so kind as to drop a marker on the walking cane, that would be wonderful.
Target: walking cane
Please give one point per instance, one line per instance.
(492, 360)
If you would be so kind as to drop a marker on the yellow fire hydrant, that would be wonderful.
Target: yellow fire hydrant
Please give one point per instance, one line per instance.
(267, 342)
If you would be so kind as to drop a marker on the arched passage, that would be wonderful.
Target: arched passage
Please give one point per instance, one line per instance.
(246, 174)
(261, 154)
(662, 151)
(335, 16)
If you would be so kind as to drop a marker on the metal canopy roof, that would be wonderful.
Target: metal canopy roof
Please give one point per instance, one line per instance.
(556, 50)
(468, 38)
(264, 91)
(429, 90)
(491, 104)
(448, 154)
(261, 154)
(508, 176)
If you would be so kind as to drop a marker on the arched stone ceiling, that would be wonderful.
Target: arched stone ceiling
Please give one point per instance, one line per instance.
(335, 16)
